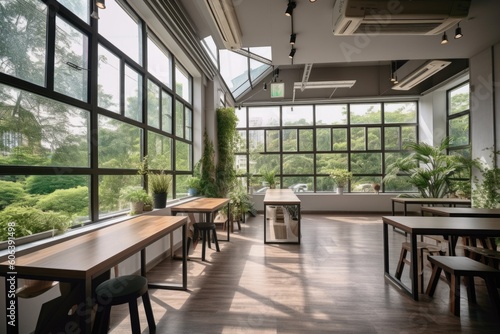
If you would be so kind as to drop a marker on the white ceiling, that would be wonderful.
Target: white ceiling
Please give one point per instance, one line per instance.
(263, 23)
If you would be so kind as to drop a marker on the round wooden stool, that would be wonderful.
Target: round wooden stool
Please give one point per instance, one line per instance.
(121, 290)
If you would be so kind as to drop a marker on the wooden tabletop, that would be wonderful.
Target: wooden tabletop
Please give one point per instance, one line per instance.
(462, 212)
(93, 253)
(280, 197)
(425, 200)
(471, 226)
(204, 204)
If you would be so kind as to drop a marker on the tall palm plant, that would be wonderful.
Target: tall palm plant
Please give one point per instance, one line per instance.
(429, 168)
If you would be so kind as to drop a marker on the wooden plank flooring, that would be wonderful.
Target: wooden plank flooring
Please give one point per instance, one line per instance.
(332, 283)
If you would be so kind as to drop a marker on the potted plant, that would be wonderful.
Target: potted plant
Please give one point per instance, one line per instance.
(341, 177)
(159, 184)
(136, 196)
(193, 183)
(269, 178)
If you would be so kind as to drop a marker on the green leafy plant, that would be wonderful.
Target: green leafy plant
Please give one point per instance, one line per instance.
(159, 183)
(226, 142)
(340, 176)
(429, 169)
(134, 194)
(269, 176)
(207, 170)
(193, 182)
(486, 193)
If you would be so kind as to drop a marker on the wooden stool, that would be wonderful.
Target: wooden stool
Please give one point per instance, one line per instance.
(421, 247)
(205, 229)
(457, 266)
(121, 290)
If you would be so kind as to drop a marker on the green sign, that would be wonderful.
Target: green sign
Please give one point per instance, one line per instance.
(278, 89)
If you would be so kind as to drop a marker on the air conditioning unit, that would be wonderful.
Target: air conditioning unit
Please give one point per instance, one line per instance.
(420, 74)
(410, 17)
(224, 17)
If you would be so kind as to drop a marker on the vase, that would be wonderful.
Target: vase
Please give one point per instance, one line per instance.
(340, 190)
(136, 207)
(160, 200)
(192, 191)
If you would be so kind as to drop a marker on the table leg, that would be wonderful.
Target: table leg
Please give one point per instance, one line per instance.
(414, 266)
(184, 256)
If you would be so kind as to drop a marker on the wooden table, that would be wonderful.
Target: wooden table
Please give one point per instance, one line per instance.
(81, 259)
(280, 197)
(452, 227)
(427, 201)
(461, 212)
(204, 205)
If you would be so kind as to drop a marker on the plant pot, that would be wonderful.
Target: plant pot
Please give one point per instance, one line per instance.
(136, 207)
(192, 192)
(160, 200)
(340, 190)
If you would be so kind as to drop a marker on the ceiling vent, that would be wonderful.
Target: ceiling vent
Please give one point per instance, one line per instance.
(403, 17)
(420, 74)
(224, 17)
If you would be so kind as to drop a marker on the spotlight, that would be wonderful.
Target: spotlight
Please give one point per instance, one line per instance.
(101, 4)
(95, 14)
(395, 79)
(458, 32)
(312, 1)
(292, 38)
(265, 86)
(444, 40)
(292, 53)
(290, 7)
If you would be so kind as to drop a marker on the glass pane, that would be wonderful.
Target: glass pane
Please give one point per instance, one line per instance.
(264, 162)
(166, 112)
(119, 144)
(211, 49)
(181, 186)
(324, 184)
(409, 134)
(189, 123)
(122, 29)
(325, 162)
(298, 115)
(400, 112)
(392, 138)
(70, 61)
(241, 113)
(339, 139)
(159, 62)
(290, 140)
(272, 140)
(183, 156)
(110, 187)
(305, 140)
(399, 184)
(298, 163)
(358, 139)
(133, 94)
(240, 164)
(23, 51)
(459, 130)
(330, 114)
(39, 203)
(299, 184)
(323, 139)
(365, 184)
(235, 71)
(241, 143)
(79, 8)
(108, 90)
(37, 131)
(153, 104)
(392, 157)
(366, 163)
(459, 99)
(374, 138)
(369, 113)
(256, 140)
(257, 68)
(159, 151)
(179, 119)
(182, 84)
(263, 116)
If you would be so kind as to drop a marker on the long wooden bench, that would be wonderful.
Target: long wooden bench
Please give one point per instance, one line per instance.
(457, 266)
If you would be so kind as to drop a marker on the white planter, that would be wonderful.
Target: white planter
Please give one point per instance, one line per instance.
(340, 190)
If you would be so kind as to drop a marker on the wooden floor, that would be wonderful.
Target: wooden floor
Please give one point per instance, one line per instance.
(331, 283)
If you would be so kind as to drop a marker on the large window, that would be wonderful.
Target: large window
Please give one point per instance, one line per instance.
(303, 143)
(67, 149)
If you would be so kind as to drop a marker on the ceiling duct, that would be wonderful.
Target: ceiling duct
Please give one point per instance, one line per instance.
(403, 17)
(226, 21)
(418, 75)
